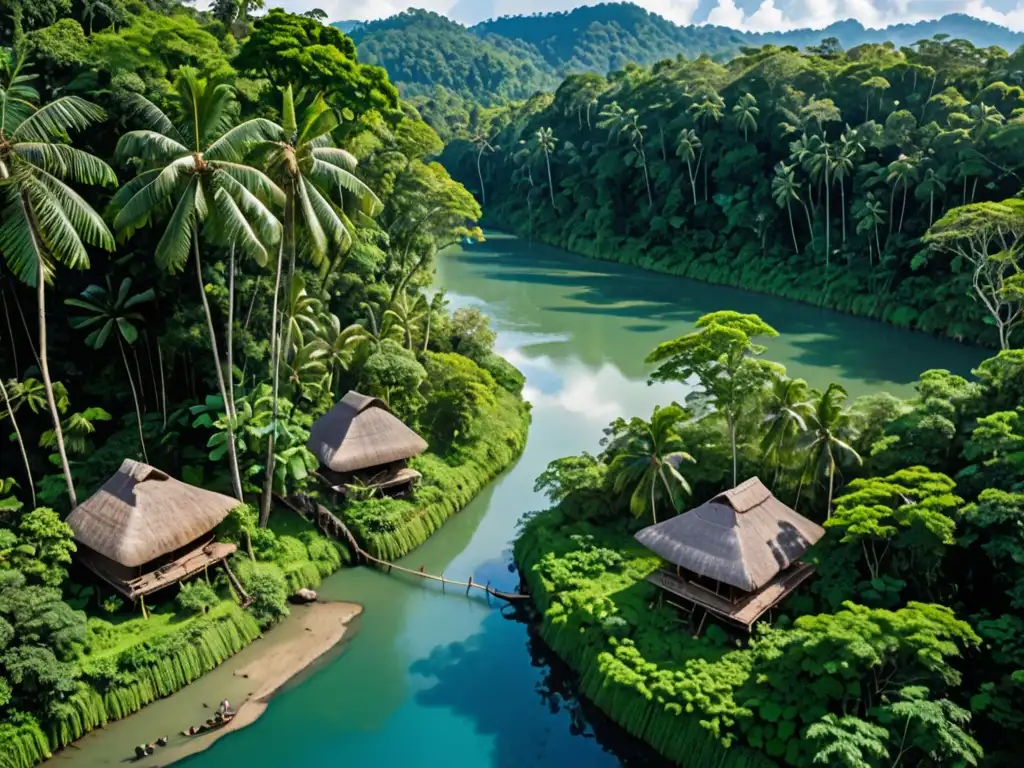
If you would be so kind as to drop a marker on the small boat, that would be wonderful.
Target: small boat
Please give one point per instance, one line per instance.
(210, 725)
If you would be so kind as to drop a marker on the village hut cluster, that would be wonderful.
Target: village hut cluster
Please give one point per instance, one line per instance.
(144, 531)
(734, 557)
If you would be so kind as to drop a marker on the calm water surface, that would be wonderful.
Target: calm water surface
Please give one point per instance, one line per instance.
(429, 679)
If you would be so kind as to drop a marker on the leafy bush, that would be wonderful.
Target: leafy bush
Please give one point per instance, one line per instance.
(506, 374)
(197, 597)
(267, 586)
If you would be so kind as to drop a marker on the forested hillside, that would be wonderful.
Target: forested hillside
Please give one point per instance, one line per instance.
(443, 65)
(812, 175)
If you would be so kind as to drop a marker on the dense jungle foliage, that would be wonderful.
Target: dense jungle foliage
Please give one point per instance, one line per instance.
(877, 181)
(212, 228)
(903, 649)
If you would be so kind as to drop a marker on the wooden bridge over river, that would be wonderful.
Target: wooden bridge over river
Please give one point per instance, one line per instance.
(331, 525)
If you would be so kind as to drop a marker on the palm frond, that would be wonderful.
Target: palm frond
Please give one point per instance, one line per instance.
(83, 217)
(152, 147)
(235, 143)
(310, 220)
(154, 118)
(140, 208)
(18, 243)
(56, 119)
(173, 249)
(254, 180)
(229, 225)
(331, 176)
(338, 234)
(54, 226)
(66, 162)
(212, 112)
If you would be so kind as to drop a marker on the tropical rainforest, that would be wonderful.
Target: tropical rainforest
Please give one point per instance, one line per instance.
(903, 649)
(878, 181)
(212, 228)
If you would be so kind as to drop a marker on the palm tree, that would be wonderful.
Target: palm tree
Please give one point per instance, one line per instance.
(632, 129)
(611, 118)
(901, 171)
(91, 7)
(711, 108)
(850, 149)
(646, 456)
(745, 113)
(482, 144)
(829, 428)
(876, 83)
(784, 193)
(302, 161)
(821, 164)
(690, 150)
(546, 143)
(45, 221)
(930, 184)
(869, 215)
(196, 168)
(408, 314)
(788, 406)
(111, 312)
(438, 302)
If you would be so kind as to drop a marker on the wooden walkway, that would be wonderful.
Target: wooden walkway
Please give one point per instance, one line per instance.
(331, 525)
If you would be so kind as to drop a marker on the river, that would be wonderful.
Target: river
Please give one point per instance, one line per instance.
(432, 680)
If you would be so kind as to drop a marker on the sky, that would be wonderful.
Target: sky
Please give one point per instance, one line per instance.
(753, 15)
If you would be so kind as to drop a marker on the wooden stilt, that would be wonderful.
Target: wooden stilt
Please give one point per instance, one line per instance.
(700, 627)
(142, 601)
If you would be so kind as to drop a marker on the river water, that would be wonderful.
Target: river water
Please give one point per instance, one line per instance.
(432, 680)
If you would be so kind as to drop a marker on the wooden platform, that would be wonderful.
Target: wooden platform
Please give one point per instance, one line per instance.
(189, 564)
(381, 481)
(744, 612)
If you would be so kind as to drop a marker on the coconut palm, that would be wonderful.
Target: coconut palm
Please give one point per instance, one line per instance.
(929, 186)
(44, 221)
(872, 84)
(111, 312)
(820, 163)
(869, 214)
(611, 118)
(789, 405)
(825, 442)
(842, 167)
(645, 457)
(301, 159)
(784, 192)
(710, 108)
(690, 151)
(546, 143)
(196, 169)
(438, 303)
(482, 144)
(632, 129)
(745, 112)
(901, 172)
(408, 313)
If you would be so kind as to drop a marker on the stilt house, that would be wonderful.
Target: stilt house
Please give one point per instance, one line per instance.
(359, 441)
(144, 530)
(736, 556)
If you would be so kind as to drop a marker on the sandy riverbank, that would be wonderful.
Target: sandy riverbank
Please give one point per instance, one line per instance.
(324, 626)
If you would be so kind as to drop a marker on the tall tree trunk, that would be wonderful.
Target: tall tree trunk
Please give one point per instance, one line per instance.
(693, 182)
(831, 485)
(163, 385)
(892, 210)
(21, 441)
(931, 205)
(842, 194)
(647, 180)
(732, 441)
(551, 183)
(135, 397)
(878, 243)
(275, 355)
(230, 341)
(138, 378)
(480, 175)
(236, 477)
(903, 207)
(654, 513)
(44, 367)
(867, 105)
(792, 228)
(10, 332)
(810, 224)
(828, 221)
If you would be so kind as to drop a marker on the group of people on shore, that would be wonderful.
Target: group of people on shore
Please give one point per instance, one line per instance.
(223, 716)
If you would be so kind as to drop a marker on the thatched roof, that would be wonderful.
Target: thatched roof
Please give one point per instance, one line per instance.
(142, 513)
(361, 432)
(742, 537)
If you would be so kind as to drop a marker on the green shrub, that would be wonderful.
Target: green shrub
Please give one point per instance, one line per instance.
(267, 586)
(197, 597)
(506, 374)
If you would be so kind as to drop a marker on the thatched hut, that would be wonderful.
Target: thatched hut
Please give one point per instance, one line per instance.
(360, 442)
(735, 556)
(144, 530)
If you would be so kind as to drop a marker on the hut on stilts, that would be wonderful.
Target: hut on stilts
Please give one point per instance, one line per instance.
(144, 531)
(360, 442)
(735, 557)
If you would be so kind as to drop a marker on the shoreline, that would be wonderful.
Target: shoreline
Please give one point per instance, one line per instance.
(324, 624)
(249, 679)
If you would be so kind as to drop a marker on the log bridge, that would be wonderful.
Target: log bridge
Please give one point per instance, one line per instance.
(331, 525)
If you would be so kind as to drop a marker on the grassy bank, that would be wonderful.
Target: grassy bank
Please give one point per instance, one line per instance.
(392, 528)
(850, 291)
(637, 663)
